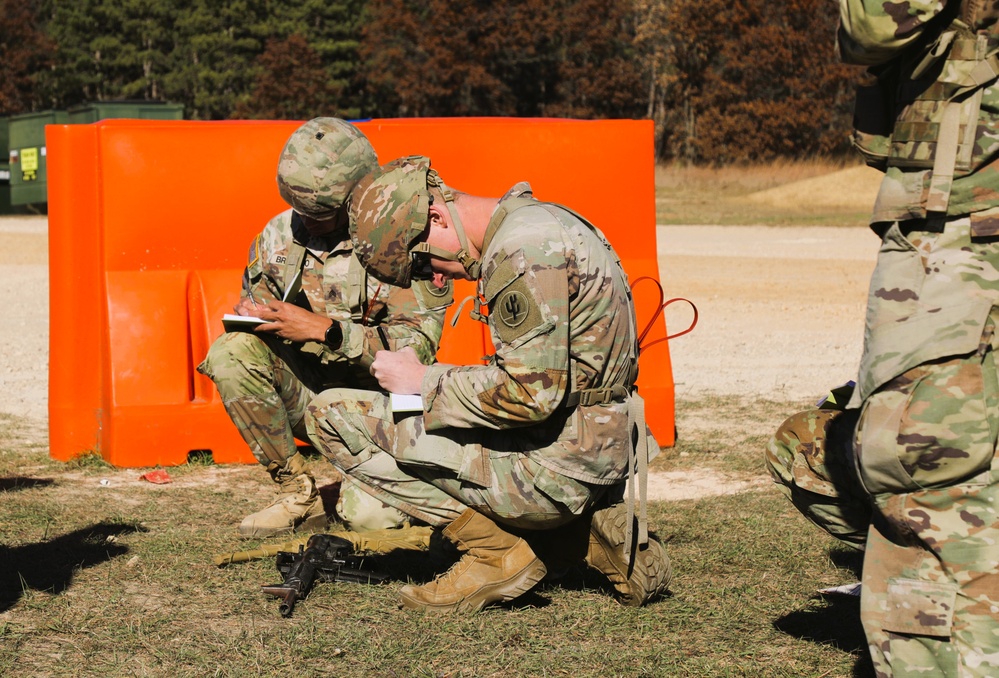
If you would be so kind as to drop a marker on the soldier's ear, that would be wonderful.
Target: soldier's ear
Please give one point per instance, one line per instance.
(438, 216)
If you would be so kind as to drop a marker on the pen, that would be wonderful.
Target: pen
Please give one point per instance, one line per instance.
(383, 335)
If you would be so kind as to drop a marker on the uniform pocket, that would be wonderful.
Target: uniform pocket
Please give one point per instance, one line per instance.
(933, 426)
(920, 608)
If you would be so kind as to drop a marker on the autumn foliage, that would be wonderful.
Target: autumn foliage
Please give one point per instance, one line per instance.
(724, 80)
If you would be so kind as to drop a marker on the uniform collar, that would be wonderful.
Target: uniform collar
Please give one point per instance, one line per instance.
(521, 189)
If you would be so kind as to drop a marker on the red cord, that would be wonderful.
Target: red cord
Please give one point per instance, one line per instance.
(659, 312)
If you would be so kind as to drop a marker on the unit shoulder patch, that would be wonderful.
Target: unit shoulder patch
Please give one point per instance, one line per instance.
(515, 311)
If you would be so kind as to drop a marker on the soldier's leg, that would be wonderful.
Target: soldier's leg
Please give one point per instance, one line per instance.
(266, 401)
(811, 459)
(437, 479)
(926, 449)
(354, 429)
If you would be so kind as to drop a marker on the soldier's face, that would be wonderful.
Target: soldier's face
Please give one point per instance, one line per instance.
(317, 227)
(442, 235)
(443, 270)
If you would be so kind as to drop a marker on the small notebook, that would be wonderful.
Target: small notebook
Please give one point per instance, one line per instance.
(240, 323)
(406, 403)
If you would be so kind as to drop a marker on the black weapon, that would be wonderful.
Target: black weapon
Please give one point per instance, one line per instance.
(324, 557)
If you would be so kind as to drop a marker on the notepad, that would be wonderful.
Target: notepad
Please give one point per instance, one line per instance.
(241, 323)
(245, 323)
(405, 402)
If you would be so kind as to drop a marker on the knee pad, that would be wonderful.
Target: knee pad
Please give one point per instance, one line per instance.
(363, 512)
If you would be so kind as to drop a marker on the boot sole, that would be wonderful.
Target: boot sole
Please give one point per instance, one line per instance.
(652, 571)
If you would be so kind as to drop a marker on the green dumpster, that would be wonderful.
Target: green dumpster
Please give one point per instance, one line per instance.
(142, 110)
(27, 139)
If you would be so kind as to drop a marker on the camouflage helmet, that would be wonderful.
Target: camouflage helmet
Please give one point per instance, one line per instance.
(320, 165)
(389, 213)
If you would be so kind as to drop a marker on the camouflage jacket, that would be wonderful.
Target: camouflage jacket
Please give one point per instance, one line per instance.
(561, 319)
(333, 284)
(926, 53)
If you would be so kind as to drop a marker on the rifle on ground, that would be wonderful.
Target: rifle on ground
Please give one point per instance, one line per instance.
(324, 557)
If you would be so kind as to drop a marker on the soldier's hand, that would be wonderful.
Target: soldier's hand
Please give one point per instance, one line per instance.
(399, 371)
(291, 322)
(246, 307)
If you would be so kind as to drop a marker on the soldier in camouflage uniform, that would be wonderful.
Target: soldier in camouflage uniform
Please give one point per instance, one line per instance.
(524, 459)
(908, 470)
(326, 318)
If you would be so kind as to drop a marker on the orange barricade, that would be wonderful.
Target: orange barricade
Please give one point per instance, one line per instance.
(150, 222)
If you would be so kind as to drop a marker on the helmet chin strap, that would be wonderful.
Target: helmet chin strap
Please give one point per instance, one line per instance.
(463, 255)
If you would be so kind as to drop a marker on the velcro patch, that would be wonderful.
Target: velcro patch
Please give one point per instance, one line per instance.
(432, 296)
(515, 311)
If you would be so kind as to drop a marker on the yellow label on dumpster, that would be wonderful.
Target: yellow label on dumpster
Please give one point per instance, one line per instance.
(29, 159)
(29, 164)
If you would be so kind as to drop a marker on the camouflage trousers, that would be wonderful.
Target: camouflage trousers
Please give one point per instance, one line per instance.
(266, 385)
(435, 476)
(909, 470)
(913, 478)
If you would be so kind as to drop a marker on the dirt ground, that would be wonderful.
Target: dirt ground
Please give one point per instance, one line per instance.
(780, 317)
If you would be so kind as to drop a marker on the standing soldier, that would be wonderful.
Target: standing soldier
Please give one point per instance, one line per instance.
(908, 471)
(524, 460)
(325, 320)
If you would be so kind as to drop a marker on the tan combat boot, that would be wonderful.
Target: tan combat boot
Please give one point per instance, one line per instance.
(298, 505)
(652, 571)
(496, 567)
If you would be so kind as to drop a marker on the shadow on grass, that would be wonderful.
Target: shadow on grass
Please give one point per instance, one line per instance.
(838, 623)
(51, 565)
(22, 483)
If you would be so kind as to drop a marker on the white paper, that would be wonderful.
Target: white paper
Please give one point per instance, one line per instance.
(406, 403)
(235, 323)
(844, 590)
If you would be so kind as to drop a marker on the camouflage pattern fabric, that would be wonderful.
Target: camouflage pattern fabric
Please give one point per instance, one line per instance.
(922, 458)
(387, 213)
(810, 459)
(561, 319)
(320, 164)
(896, 38)
(497, 437)
(929, 595)
(922, 455)
(265, 382)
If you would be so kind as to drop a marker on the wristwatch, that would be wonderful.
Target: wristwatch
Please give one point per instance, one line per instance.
(334, 335)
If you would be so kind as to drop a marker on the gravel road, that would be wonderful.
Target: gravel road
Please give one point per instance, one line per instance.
(780, 309)
(780, 317)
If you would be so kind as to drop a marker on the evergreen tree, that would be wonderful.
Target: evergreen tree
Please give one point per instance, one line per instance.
(107, 49)
(311, 57)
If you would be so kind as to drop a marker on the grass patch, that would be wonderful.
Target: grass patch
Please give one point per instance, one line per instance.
(117, 579)
(724, 433)
(720, 196)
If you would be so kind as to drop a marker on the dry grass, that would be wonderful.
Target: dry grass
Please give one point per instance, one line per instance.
(117, 580)
(730, 195)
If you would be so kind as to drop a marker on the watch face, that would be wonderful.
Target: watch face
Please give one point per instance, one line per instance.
(334, 335)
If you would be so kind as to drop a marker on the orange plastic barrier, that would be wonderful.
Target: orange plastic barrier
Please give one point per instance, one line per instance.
(149, 224)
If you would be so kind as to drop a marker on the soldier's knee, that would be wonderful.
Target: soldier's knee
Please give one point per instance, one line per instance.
(815, 442)
(234, 355)
(362, 511)
(794, 435)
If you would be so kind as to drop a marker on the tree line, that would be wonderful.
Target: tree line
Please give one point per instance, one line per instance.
(724, 80)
